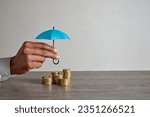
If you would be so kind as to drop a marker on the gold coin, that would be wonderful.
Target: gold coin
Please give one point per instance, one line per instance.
(55, 73)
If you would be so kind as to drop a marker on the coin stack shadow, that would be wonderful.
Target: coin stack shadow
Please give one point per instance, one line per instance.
(57, 78)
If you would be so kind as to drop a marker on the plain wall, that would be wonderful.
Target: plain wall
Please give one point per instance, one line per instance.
(105, 34)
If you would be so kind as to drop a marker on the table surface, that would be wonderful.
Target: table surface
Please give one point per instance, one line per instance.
(112, 85)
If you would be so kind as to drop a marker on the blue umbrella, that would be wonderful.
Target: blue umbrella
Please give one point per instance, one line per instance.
(53, 34)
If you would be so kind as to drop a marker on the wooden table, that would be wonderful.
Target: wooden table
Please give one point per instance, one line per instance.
(84, 85)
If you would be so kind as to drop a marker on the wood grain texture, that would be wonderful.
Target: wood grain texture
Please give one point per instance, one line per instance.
(115, 85)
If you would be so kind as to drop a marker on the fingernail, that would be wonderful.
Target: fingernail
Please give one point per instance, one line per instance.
(57, 57)
(55, 50)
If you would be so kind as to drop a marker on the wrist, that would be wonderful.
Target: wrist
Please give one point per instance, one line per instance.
(12, 65)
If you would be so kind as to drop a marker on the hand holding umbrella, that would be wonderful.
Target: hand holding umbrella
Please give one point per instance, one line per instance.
(53, 35)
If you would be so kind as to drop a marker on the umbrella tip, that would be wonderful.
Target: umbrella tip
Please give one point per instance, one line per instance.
(53, 27)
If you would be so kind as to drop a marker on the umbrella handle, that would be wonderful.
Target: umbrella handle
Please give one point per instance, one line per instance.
(55, 62)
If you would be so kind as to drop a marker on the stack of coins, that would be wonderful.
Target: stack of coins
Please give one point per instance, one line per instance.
(66, 77)
(46, 80)
(54, 77)
(67, 74)
(64, 82)
(57, 78)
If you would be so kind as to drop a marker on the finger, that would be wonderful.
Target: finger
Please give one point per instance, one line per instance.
(41, 52)
(33, 65)
(40, 45)
(35, 58)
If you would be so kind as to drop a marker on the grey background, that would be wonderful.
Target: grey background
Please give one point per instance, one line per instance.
(105, 34)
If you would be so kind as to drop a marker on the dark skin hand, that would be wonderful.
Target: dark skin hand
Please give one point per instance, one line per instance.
(30, 56)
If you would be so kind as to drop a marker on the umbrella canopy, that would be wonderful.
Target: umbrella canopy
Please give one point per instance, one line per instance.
(53, 35)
